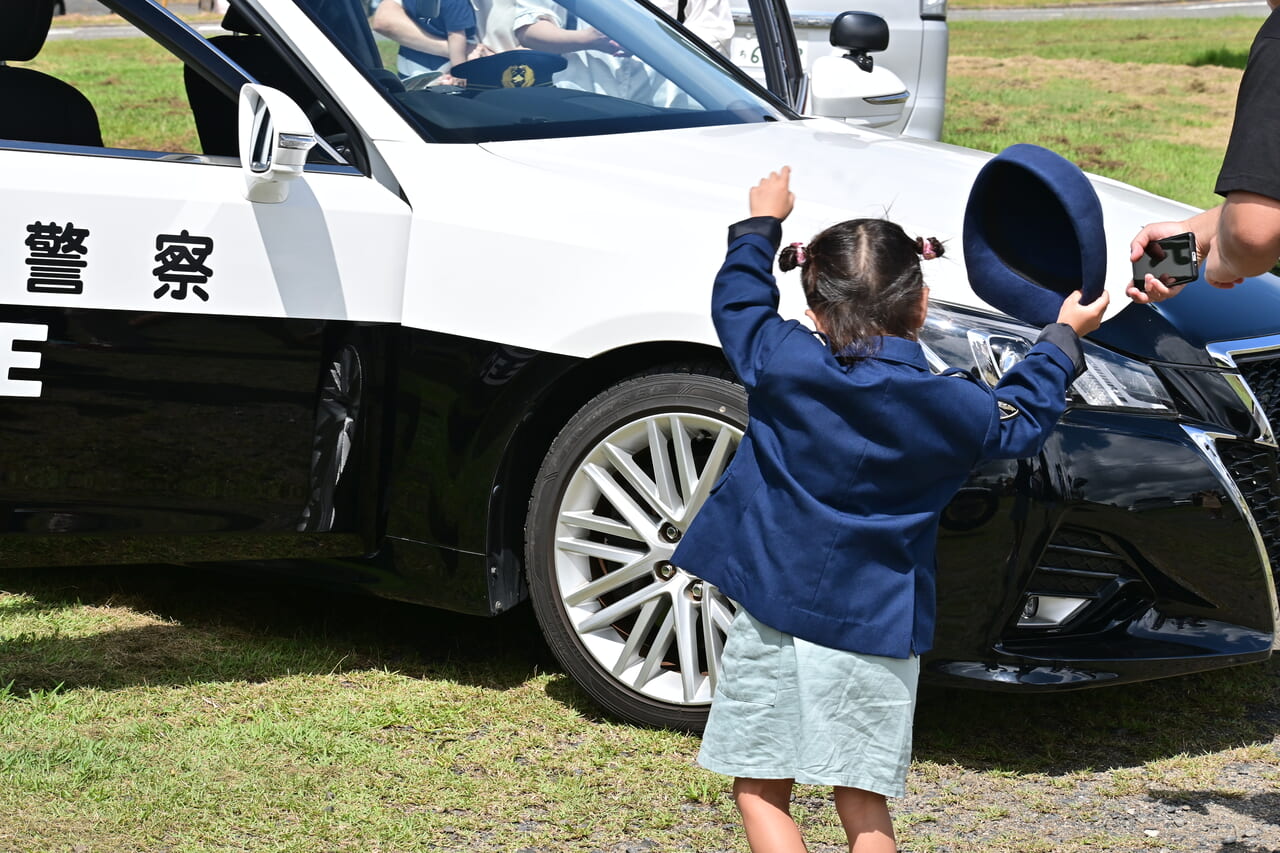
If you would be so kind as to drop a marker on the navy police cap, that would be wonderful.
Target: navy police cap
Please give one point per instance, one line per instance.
(512, 69)
(1033, 233)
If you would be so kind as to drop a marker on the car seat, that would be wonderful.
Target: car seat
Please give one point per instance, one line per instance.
(34, 106)
(215, 115)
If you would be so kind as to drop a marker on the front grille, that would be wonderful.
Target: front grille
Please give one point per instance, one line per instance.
(1253, 467)
(1263, 376)
(1078, 563)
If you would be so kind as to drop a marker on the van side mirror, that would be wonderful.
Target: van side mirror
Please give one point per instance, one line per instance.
(860, 33)
(852, 87)
(275, 136)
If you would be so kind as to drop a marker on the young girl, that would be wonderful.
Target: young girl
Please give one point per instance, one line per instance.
(823, 529)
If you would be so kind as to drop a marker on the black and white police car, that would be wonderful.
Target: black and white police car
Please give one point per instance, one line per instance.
(452, 346)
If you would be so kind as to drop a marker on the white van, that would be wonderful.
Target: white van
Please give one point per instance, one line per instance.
(917, 51)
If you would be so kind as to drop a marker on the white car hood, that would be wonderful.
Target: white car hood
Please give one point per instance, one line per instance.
(583, 245)
(689, 178)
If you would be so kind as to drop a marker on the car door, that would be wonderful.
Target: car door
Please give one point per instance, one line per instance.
(181, 360)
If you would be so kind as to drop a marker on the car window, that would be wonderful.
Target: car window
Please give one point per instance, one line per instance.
(127, 92)
(129, 88)
(538, 69)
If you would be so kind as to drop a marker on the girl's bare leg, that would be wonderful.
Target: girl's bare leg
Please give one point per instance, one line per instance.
(866, 821)
(765, 806)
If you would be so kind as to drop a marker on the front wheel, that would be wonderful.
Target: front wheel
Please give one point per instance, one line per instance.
(616, 492)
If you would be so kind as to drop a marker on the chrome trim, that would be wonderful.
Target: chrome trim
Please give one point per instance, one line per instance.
(888, 100)
(1245, 393)
(1225, 354)
(807, 20)
(1204, 440)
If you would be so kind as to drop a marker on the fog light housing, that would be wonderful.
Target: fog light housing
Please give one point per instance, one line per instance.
(1049, 611)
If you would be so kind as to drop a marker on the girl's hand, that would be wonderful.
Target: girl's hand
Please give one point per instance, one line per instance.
(1083, 318)
(773, 195)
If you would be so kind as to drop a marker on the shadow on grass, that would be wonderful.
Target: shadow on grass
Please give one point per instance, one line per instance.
(1264, 807)
(168, 625)
(177, 625)
(1103, 728)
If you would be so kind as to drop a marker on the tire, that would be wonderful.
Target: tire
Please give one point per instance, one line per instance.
(640, 635)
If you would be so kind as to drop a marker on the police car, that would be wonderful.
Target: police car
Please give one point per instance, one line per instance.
(451, 345)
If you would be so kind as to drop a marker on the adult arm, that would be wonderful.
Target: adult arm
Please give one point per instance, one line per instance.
(391, 20)
(1248, 241)
(545, 35)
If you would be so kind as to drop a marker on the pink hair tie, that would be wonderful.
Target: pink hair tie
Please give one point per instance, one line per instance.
(800, 255)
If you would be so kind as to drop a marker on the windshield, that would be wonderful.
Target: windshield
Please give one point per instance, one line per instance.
(488, 70)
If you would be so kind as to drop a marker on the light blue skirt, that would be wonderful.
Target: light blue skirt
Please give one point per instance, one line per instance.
(785, 708)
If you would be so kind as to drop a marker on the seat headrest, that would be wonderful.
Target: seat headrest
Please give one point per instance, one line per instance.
(24, 24)
(234, 22)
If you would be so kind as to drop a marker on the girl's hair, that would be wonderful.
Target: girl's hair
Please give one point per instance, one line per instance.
(862, 278)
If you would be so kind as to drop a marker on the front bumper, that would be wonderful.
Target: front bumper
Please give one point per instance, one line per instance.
(1156, 527)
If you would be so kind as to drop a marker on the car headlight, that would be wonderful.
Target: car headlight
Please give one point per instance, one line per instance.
(991, 347)
(933, 9)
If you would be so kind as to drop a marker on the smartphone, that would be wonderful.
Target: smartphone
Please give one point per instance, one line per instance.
(1172, 260)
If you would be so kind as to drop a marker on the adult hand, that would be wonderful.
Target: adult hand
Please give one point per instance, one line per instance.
(1214, 272)
(773, 195)
(1204, 225)
(597, 40)
(1156, 290)
(1083, 318)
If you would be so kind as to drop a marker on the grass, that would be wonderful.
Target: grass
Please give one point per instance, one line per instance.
(159, 708)
(147, 710)
(1170, 41)
(135, 85)
(1112, 95)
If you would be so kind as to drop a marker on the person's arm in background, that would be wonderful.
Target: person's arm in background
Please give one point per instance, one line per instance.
(391, 20)
(546, 35)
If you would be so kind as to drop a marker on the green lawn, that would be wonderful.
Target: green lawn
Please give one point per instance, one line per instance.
(1132, 100)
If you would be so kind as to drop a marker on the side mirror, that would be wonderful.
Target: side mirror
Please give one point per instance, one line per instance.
(860, 33)
(275, 136)
(852, 87)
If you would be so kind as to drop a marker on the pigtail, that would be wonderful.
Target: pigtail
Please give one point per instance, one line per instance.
(792, 256)
(929, 248)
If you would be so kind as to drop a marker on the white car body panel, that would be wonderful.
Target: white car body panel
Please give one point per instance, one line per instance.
(312, 247)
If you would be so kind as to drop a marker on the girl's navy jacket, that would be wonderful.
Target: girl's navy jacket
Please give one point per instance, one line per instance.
(825, 524)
